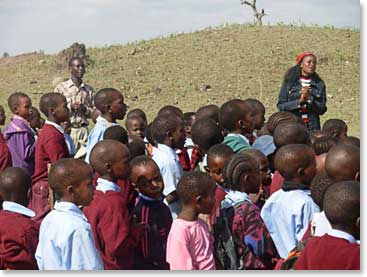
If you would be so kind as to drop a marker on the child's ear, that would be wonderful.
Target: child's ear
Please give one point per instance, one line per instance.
(243, 182)
(300, 171)
(169, 135)
(107, 108)
(51, 111)
(69, 189)
(357, 176)
(108, 166)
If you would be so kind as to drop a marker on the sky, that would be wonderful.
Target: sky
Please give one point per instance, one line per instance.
(52, 25)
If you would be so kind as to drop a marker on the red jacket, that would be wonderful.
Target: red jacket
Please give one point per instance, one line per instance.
(5, 156)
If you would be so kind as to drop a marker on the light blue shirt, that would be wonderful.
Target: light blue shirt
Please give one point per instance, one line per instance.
(171, 171)
(233, 197)
(70, 144)
(286, 215)
(17, 208)
(96, 134)
(105, 185)
(66, 241)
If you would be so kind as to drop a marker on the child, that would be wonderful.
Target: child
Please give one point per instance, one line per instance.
(68, 140)
(280, 117)
(343, 163)
(36, 121)
(323, 144)
(50, 147)
(150, 210)
(169, 132)
(5, 156)
(205, 133)
(254, 246)
(116, 239)
(19, 135)
(336, 250)
(116, 132)
(289, 210)
(136, 148)
(265, 144)
(209, 111)
(150, 142)
(66, 239)
(190, 244)
(18, 233)
(336, 128)
(259, 120)
(316, 134)
(139, 113)
(110, 102)
(237, 118)
(189, 119)
(135, 127)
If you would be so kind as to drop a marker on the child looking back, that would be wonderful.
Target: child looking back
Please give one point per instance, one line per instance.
(150, 210)
(18, 233)
(110, 102)
(66, 239)
(19, 135)
(338, 249)
(50, 147)
(116, 239)
(190, 244)
(288, 212)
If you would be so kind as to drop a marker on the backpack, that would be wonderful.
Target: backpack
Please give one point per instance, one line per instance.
(225, 249)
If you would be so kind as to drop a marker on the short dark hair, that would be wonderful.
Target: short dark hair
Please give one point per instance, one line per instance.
(105, 97)
(193, 184)
(13, 99)
(189, 118)
(162, 125)
(334, 126)
(137, 112)
(255, 104)
(235, 167)
(219, 150)
(342, 203)
(231, 112)
(279, 117)
(49, 101)
(136, 148)
(318, 187)
(291, 133)
(351, 141)
(13, 178)
(323, 144)
(116, 132)
(149, 134)
(205, 133)
(208, 111)
(33, 112)
(170, 110)
(142, 160)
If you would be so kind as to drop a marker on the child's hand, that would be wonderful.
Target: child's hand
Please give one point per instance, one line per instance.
(256, 196)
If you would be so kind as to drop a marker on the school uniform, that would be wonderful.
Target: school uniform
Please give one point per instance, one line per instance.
(171, 171)
(116, 240)
(276, 182)
(18, 237)
(287, 214)
(21, 143)
(151, 253)
(96, 134)
(50, 147)
(5, 156)
(66, 241)
(336, 250)
(237, 142)
(257, 249)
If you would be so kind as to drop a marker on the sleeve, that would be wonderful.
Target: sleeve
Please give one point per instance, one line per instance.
(56, 148)
(5, 157)
(303, 219)
(29, 148)
(284, 104)
(318, 105)
(178, 253)
(83, 252)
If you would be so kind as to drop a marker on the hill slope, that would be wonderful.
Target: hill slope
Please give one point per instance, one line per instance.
(209, 66)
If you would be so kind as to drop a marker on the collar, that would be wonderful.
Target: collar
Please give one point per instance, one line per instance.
(71, 84)
(168, 150)
(222, 188)
(105, 185)
(234, 197)
(17, 117)
(289, 185)
(68, 207)
(239, 136)
(17, 208)
(342, 235)
(149, 199)
(57, 126)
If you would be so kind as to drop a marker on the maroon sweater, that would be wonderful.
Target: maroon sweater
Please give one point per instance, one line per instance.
(18, 241)
(5, 156)
(116, 240)
(50, 147)
(329, 253)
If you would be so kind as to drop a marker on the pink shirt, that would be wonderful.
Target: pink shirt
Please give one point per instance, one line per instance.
(190, 246)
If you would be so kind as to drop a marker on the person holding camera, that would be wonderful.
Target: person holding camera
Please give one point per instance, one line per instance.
(80, 101)
(303, 92)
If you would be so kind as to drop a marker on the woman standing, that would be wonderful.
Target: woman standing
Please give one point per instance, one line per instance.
(303, 92)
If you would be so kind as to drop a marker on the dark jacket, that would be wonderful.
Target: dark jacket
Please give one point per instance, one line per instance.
(289, 101)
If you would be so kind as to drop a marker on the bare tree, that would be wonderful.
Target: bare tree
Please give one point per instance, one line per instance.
(257, 15)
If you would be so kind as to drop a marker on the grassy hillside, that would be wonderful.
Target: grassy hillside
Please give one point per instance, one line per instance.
(232, 61)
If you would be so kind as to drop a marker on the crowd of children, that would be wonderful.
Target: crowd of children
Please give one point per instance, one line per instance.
(212, 189)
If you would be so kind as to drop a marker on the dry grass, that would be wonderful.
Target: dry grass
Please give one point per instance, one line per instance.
(235, 61)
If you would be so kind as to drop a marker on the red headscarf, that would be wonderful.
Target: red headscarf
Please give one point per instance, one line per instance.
(302, 55)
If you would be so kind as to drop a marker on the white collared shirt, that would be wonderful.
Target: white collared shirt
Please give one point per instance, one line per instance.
(17, 208)
(66, 241)
(342, 235)
(57, 126)
(239, 136)
(105, 185)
